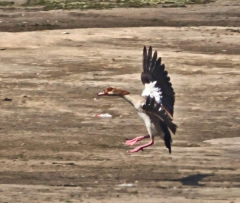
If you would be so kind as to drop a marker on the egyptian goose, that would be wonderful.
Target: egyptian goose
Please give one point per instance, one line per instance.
(155, 106)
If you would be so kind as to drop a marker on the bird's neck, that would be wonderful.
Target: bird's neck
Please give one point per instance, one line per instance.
(129, 98)
(126, 95)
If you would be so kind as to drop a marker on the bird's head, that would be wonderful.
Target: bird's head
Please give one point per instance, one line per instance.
(110, 91)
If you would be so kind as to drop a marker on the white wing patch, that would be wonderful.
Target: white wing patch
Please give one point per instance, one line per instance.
(152, 91)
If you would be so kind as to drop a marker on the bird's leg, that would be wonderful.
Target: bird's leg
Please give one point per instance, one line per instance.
(142, 146)
(135, 140)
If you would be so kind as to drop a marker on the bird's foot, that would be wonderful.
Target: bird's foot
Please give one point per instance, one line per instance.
(141, 147)
(135, 140)
(135, 150)
(132, 142)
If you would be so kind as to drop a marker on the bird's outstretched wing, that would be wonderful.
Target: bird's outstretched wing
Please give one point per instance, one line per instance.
(157, 109)
(157, 82)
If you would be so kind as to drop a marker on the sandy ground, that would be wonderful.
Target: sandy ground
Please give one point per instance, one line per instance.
(217, 13)
(53, 149)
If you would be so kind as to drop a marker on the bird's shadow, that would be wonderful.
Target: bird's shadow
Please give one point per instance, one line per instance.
(192, 180)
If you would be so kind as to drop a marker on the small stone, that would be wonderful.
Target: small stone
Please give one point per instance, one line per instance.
(7, 99)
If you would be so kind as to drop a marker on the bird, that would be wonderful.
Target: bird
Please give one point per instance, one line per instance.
(155, 106)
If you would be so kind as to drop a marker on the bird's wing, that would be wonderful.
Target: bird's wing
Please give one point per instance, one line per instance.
(151, 106)
(157, 82)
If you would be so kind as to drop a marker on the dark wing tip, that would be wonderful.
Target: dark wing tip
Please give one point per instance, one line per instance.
(150, 51)
(168, 141)
(167, 136)
(154, 59)
(144, 51)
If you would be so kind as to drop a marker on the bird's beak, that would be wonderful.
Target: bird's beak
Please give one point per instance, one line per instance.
(101, 93)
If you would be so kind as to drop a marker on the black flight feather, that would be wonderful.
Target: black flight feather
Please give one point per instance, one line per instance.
(167, 136)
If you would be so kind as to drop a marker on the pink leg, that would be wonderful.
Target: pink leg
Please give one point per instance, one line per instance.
(142, 147)
(135, 140)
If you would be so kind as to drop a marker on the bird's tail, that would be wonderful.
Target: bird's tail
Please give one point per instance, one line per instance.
(167, 136)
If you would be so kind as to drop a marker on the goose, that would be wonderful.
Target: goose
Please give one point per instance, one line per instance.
(155, 106)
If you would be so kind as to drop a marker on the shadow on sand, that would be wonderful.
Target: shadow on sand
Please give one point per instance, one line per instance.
(193, 179)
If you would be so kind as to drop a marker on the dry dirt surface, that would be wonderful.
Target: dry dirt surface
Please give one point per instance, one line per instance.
(53, 148)
(218, 13)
